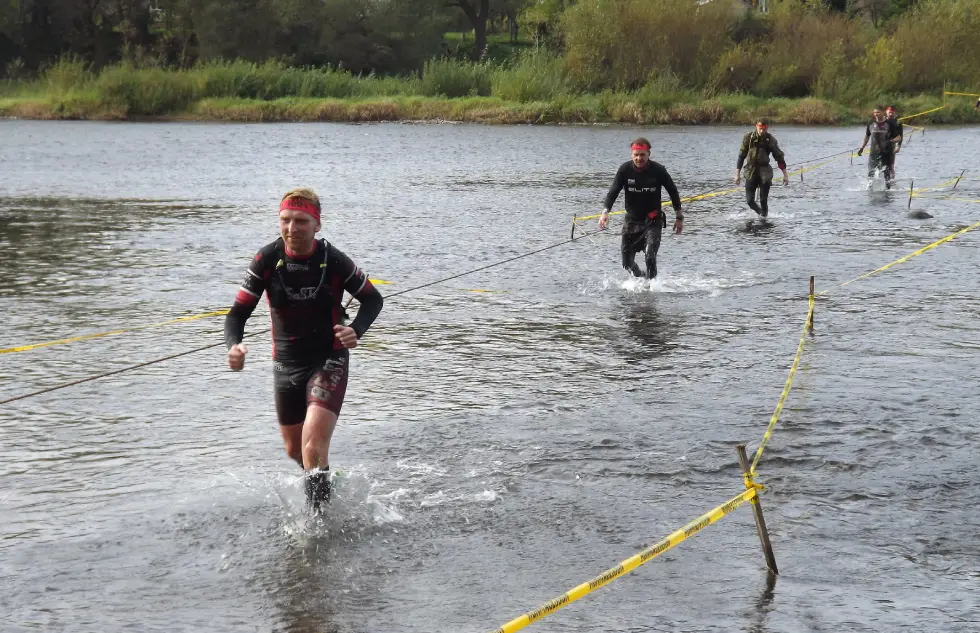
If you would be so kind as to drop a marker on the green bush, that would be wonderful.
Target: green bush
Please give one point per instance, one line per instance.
(533, 77)
(456, 78)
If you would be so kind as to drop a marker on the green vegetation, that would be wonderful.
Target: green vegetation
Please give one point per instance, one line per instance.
(631, 61)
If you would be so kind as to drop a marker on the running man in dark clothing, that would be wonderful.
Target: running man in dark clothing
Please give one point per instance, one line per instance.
(642, 229)
(891, 114)
(880, 132)
(754, 154)
(304, 280)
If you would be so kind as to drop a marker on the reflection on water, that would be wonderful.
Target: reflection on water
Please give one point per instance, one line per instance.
(505, 440)
(650, 332)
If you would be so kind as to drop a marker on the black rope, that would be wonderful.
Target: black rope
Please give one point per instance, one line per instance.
(813, 160)
(119, 371)
(213, 345)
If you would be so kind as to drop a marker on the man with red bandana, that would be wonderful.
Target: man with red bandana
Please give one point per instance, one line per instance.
(645, 221)
(304, 280)
(754, 155)
(891, 114)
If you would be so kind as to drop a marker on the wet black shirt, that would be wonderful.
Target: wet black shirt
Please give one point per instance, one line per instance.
(642, 190)
(304, 300)
(881, 135)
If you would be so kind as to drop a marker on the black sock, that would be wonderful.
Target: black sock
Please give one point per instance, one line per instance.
(318, 487)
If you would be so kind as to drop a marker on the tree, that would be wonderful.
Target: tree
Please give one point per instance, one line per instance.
(477, 12)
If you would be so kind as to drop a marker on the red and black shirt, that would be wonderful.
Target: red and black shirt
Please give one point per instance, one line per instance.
(304, 297)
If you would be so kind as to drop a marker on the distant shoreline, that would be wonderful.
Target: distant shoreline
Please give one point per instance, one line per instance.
(608, 108)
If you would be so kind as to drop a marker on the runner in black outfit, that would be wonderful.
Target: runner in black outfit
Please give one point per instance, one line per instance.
(304, 280)
(645, 221)
(892, 115)
(881, 132)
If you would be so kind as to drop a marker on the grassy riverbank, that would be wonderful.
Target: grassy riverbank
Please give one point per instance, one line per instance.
(531, 91)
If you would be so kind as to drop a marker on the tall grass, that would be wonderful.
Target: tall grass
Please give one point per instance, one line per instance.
(532, 77)
(456, 78)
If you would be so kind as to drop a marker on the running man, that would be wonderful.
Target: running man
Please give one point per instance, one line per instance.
(891, 113)
(756, 148)
(304, 280)
(880, 132)
(643, 227)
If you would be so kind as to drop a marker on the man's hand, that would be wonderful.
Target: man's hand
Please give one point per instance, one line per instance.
(346, 335)
(236, 356)
(679, 224)
(898, 148)
(603, 220)
(860, 151)
(738, 176)
(785, 179)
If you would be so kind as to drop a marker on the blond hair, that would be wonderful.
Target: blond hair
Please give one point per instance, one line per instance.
(303, 193)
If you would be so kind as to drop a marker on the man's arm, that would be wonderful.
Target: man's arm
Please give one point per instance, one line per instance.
(899, 131)
(743, 151)
(675, 198)
(247, 298)
(357, 283)
(619, 181)
(867, 135)
(777, 153)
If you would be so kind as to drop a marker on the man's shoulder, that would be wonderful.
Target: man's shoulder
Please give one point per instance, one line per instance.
(268, 255)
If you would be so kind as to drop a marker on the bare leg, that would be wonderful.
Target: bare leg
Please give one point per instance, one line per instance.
(317, 431)
(292, 439)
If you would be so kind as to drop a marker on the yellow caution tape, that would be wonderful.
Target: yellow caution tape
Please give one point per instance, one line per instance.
(974, 200)
(962, 94)
(786, 389)
(630, 563)
(917, 192)
(86, 337)
(912, 116)
(911, 255)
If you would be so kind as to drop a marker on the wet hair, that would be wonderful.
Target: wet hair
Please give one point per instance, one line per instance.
(303, 193)
(641, 141)
(880, 107)
(763, 120)
(892, 108)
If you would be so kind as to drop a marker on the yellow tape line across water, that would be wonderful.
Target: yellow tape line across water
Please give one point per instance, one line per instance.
(911, 255)
(912, 116)
(786, 389)
(917, 192)
(630, 563)
(86, 337)
(962, 94)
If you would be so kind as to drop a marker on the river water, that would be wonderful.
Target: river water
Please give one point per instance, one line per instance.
(498, 447)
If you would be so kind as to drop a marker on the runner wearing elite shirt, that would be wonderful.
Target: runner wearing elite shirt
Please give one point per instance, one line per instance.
(643, 180)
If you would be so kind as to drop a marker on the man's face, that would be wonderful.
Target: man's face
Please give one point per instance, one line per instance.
(891, 114)
(761, 128)
(298, 229)
(641, 157)
(878, 115)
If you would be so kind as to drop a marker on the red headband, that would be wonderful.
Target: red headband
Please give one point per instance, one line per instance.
(641, 148)
(298, 204)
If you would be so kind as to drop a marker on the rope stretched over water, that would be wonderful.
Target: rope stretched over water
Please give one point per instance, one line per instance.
(213, 345)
